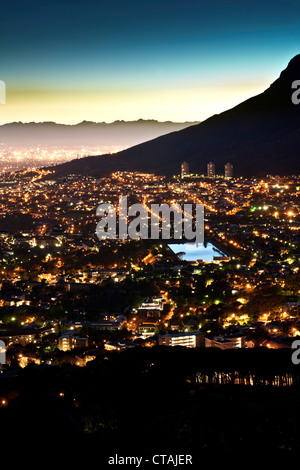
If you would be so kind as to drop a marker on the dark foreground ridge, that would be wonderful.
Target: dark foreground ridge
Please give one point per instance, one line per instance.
(144, 402)
(259, 136)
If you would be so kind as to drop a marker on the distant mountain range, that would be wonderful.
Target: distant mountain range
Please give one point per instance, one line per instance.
(116, 134)
(259, 136)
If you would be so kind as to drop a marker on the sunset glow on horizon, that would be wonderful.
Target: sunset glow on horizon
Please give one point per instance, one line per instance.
(72, 107)
(102, 61)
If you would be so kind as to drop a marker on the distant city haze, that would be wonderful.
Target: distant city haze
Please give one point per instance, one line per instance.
(31, 145)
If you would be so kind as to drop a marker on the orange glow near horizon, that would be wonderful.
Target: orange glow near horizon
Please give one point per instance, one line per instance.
(174, 104)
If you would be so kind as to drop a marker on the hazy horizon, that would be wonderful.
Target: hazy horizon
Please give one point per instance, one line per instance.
(31, 145)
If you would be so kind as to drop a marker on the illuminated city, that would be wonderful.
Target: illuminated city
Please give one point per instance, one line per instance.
(68, 299)
(48, 236)
(20, 158)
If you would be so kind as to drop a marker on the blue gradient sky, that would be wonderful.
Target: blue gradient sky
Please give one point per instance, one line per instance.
(168, 60)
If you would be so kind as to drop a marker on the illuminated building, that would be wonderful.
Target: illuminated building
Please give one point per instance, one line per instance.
(226, 342)
(211, 170)
(115, 345)
(228, 170)
(67, 341)
(18, 336)
(185, 169)
(189, 340)
(146, 329)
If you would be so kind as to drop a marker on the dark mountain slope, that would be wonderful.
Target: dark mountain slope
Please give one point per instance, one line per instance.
(259, 136)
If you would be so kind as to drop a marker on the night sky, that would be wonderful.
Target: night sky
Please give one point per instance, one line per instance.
(68, 61)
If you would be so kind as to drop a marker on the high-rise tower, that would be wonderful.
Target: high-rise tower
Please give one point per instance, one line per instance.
(185, 169)
(228, 170)
(211, 170)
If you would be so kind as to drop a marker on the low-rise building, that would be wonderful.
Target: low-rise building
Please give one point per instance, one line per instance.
(69, 340)
(146, 329)
(18, 336)
(106, 325)
(189, 340)
(119, 345)
(226, 342)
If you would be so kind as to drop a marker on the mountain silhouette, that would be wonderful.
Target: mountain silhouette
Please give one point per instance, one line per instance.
(259, 136)
(121, 134)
